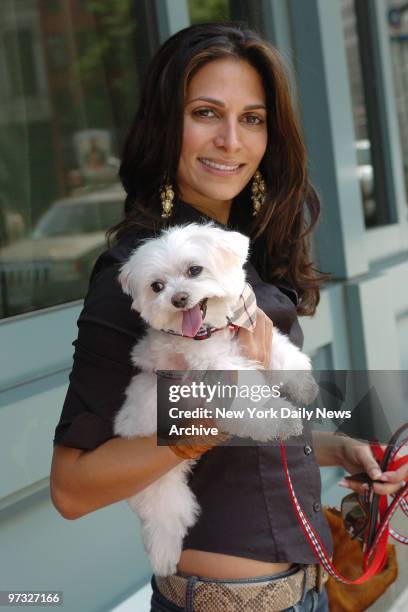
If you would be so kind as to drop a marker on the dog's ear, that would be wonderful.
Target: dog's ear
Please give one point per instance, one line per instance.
(236, 245)
(126, 281)
(125, 278)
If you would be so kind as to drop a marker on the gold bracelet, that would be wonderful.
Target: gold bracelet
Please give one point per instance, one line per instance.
(192, 451)
(188, 452)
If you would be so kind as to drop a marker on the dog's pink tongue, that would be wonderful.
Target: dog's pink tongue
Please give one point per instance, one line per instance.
(192, 321)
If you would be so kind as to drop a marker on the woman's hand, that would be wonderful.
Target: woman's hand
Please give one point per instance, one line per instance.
(356, 457)
(257, 344)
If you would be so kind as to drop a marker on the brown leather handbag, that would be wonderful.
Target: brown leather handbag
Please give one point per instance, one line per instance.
(348, 559)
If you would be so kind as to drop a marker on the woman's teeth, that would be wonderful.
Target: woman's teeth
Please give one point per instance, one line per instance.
(223, 167)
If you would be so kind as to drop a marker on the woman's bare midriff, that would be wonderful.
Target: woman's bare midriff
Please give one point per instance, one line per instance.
(225, 567)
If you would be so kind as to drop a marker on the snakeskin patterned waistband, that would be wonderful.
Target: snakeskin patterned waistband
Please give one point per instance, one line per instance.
(274, 595)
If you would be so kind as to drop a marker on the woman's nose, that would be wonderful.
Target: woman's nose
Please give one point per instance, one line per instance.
(228, 137)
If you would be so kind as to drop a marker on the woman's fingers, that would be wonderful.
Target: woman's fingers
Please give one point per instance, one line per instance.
(358, 457)
(394, 480)
(380, 489)
(369, 463)
(353, 485)
(257, 344)
(387, 489)
(399, 475)
(391, 482)
(372, 469)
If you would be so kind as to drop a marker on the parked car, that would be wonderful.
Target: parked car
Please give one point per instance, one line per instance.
(52, 265)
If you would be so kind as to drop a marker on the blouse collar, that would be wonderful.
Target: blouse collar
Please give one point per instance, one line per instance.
(186, 213)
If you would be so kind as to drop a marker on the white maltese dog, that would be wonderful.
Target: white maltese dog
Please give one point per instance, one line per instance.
(185, 282)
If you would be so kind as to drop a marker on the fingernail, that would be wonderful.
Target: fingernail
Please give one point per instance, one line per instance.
(365, 486)
(384, 478)
(343, 483)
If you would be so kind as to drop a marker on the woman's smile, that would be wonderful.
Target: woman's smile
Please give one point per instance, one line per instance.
(223, 168)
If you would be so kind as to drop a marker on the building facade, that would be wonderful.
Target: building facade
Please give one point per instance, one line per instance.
(70, 78)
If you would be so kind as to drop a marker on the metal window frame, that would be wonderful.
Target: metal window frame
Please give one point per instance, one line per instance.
(380, 88)
(171, 17)
(324, 92)
(369, 50)
(325, 101)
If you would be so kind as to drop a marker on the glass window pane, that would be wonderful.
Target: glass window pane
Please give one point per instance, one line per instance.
(208, 10)
(361, 125)
(398, 31)
(69, 85)
(245, 11)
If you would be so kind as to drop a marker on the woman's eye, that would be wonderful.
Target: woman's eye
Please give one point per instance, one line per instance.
(253, 119)
(157, 286)
(194, 270)
(204, 112)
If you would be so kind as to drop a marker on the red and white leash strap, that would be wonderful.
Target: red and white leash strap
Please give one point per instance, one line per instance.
(386, 512)
(404, 507)
(380, 544)
(398, 536)
(383, 527)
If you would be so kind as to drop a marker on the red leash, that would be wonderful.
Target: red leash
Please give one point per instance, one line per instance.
(375, 556)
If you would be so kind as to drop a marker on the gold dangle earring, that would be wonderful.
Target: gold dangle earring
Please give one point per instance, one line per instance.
(258, 192)
(166, 197)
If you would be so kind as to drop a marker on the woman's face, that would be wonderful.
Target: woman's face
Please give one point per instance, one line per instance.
(224, 133)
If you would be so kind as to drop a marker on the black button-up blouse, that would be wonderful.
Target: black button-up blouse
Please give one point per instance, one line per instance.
(246, 508)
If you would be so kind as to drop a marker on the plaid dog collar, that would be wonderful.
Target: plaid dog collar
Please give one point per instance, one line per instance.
(243, 316)
(245, 313)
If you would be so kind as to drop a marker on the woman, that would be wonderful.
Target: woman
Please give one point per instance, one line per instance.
(215, 123)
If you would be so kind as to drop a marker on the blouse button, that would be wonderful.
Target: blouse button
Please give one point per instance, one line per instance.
(317, 506)
(308, 449)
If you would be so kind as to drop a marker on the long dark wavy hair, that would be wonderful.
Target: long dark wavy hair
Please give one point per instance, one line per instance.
(280, 232)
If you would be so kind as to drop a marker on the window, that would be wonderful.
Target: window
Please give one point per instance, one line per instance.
(370, 162)
(246, 11)
(398, 31)
(208, 10)
(21, 75)
(72, 75)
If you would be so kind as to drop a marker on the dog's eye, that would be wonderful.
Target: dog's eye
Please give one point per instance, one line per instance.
(157, 286)
(194, 270)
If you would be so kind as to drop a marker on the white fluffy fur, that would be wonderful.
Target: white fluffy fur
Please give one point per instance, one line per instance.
(168, 508)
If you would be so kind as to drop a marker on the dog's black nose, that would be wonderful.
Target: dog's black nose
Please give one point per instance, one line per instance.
(179, 300)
